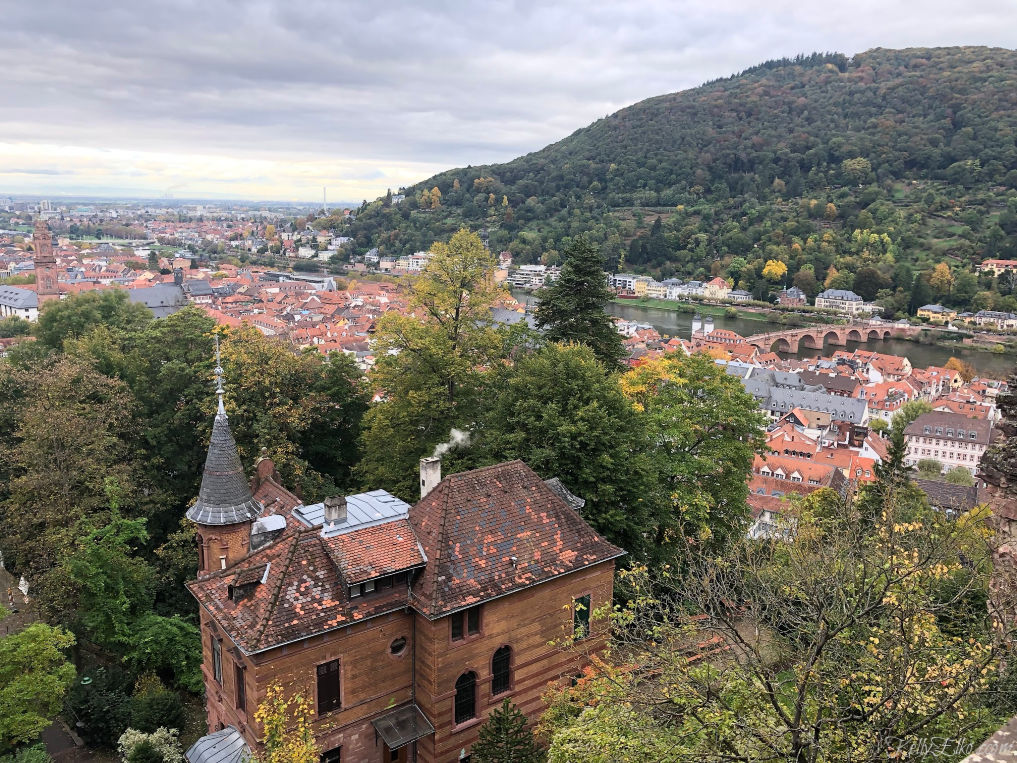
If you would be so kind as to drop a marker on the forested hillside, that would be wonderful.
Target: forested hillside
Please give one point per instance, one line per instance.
(861, 173)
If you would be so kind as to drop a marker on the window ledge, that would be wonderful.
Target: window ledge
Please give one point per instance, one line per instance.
(465, 725)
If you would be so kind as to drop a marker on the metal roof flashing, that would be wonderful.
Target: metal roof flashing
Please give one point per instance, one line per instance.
(362, 510)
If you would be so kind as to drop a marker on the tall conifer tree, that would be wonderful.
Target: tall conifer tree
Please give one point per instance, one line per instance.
(572, 308)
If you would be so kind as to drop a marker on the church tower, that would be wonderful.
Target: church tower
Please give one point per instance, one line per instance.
(45, 262)
(225, 508)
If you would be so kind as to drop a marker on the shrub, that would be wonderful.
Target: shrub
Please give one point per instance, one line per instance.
(154, 709)
(34, 754)
(163, 741)
(145, 752)
(103, 706)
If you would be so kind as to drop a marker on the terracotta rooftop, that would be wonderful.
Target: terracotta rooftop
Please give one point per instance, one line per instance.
(492, 531)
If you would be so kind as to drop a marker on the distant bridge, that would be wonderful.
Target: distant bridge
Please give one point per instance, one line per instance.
(814, 337)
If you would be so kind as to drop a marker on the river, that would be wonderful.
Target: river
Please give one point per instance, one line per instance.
(673, 323)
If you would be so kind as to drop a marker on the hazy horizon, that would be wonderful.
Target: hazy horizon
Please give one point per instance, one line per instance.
(271, 101)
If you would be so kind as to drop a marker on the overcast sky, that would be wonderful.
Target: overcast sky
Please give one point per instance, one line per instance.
(275, 99)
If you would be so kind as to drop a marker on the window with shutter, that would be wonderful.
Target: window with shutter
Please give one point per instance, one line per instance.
(241, 687)
(328, 687)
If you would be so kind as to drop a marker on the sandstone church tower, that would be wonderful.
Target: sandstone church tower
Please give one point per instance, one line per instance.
(45, 263)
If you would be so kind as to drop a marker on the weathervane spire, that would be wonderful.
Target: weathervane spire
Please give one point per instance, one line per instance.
(218, 377)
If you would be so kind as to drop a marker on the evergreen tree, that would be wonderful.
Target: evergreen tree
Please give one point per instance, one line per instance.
(504, 738)
(572, 308)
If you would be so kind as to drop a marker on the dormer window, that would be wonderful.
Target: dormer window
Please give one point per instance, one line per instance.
(927, 430)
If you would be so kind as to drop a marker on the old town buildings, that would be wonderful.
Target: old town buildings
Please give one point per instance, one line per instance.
(403, 625)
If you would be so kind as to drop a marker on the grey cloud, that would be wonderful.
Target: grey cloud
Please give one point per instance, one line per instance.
(446, 83)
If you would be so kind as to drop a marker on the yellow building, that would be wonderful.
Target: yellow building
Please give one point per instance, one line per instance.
(716, 288)
(937, 313)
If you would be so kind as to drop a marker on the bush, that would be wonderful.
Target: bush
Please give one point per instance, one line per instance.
(155, 709)
(34, 754)
(144, 752)
(164, 742)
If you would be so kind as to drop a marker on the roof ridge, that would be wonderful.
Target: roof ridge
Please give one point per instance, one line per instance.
(489, 467)
(278, 588)
(440, 547)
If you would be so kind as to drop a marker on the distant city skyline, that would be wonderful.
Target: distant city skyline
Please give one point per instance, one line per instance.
(273, 100)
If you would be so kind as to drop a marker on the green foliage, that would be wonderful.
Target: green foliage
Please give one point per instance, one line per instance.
(74, 317)
(34, 754)
(958, 475)
(34, 677)
(108, 586)
(12, 326)
(907, 413)
(431, 363)
(704, 431)
(154, 706)
(167, 646)
(504, 738)
(558, 411)
(571, 308)
(144, 752)
(929, 466)
(102, 704)
(853, 609)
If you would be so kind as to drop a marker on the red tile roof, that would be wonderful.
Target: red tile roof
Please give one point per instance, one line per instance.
(492, 531)
(372, 552)
(303, 595)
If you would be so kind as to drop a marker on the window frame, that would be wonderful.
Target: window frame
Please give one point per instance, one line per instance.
(461, 621)
(501, 681)
(337, 702)
(216, 659)
(240, 689)
(457, 704)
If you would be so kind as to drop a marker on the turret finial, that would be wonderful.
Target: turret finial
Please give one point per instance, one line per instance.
(218, 377)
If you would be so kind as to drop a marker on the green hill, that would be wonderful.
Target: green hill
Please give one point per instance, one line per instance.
(880, 166)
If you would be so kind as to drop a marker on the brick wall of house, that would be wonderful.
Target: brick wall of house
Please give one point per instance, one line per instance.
(526, 621)
(371, 681)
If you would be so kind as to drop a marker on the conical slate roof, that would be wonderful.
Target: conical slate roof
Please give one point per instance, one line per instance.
(225, 496)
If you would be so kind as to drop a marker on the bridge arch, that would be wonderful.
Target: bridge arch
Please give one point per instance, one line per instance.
(878, 334)
(811, 341)
(831, 337)
(781, 345)
(854, 335)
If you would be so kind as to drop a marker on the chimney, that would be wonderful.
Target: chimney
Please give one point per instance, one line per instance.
(335, 509)
(430, 474)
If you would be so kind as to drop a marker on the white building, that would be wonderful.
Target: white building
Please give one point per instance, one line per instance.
(950, 438)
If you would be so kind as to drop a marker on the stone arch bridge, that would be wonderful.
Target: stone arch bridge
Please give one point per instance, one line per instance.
(814, 337)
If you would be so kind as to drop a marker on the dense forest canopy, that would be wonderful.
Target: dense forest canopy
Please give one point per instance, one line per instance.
(896, 160)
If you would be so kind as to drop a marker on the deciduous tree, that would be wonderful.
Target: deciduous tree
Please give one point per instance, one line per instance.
(34, 677)
(704, 431)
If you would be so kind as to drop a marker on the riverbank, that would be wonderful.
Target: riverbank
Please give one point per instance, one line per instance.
(788, 316)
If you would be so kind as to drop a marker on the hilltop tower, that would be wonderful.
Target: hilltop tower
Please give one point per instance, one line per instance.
(45, 263)
(225, 508)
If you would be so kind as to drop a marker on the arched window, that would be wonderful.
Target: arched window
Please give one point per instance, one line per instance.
(501, 670)
(466, 697)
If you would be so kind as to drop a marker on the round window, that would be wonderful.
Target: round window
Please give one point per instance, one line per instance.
(398, 646)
